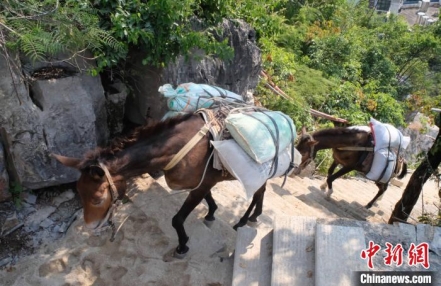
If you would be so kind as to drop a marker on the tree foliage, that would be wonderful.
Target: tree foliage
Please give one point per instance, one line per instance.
(109, 28)
(336, 56)
(375, 62)
(42, 29)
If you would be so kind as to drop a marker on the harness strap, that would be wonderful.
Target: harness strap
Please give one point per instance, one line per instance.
(115, 204)
(291, 164)
(114, 191)
(355, 148)
(190, 144)
(275, 138)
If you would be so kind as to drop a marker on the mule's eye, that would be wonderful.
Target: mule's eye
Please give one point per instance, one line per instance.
(96, 201)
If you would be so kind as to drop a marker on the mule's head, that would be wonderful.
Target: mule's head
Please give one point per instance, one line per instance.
(305, 146)
(94, 188)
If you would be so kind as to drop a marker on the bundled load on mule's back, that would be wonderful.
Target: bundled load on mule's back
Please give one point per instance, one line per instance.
(252, 143)
(375, 151)
(262, 147)
(389, 143)
(189, 97)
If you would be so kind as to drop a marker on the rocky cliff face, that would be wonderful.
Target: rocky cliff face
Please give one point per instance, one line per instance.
(239, 75)
(422, 135)
(39, 117)
(72, 113)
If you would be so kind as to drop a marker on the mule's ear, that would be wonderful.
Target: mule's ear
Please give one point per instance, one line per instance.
(303, 130)
(312, 143)
(67, 161)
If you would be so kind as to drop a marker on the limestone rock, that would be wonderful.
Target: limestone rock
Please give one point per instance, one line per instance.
(4, 177)
(64, 115)
(239, 75)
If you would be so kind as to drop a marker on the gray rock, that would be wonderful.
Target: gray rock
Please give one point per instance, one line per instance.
(25, 210)
(115, 105)
(4, 177)
(63, 197)
(239, 75)
(422, 135)
(63, 227)
(33, 222)
(46, 223)
(21, 132)
(65, 116)
(4, 261)
(29, 198)
(11, 223)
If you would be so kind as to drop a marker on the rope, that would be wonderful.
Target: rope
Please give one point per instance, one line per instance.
(202, 179)
(387, 162)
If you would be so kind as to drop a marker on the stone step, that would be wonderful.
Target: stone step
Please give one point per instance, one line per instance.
(337, 254)
(323, 251)
(358, 214)
(318, 199)
(253, 257)
(293, 251)
(290, 193)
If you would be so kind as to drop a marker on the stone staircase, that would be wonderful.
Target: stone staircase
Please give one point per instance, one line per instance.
(304, 238)
(324, 252)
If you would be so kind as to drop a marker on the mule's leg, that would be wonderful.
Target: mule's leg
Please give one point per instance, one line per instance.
(212, 207)
(330, 172)
(381, 189)
(252, 221)
(257, 199)
(192, 200)
(331, 178)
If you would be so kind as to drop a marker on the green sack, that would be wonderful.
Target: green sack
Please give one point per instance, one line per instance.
(262, 135)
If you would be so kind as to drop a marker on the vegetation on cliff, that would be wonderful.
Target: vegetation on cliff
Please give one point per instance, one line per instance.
(331, 55)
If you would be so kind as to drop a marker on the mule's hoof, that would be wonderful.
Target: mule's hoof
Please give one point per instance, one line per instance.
(252, 223)
(180, 254)
(208, 223)
(237, 225)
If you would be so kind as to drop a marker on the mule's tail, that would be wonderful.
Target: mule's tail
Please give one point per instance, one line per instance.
(403, 170)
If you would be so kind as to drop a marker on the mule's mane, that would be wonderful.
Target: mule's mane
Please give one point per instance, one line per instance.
(138, 134)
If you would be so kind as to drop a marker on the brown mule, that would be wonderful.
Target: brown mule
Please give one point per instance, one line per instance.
(104, 172)
(340, 137)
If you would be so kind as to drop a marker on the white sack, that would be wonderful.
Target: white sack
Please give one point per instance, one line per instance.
(248, 172)
(387, 136)
(382, 158)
